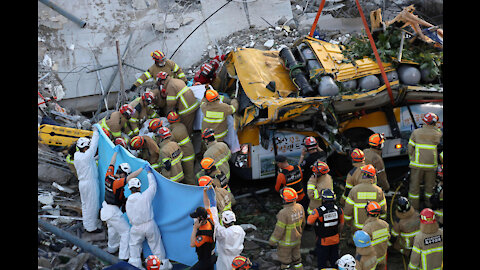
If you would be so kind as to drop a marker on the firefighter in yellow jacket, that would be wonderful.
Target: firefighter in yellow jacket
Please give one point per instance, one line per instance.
(288, 230)
(149, 150)
(221, 195)
(365, 255)
(219, 151)
(422, 151)
(427, 251)
(379, 233)
(219, 178)
(360, 195)
(355, 174)
(319, 180)
(406, 225)
(144, 109)
(170, 155)
(373, 155)
(215, 114)
(161, 64)
(180, 98)
(117, 122)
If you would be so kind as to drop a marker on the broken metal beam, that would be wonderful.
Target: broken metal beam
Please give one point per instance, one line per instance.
(65, 13)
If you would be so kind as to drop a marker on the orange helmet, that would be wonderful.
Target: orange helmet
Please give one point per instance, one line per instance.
(430, 118)
(153, 262)
(427, 216)
(148, 97)
(164, 132)
(208, 133)
(162, 75)
(106, 132)
(158, 55)
(136, 142)
(154, 124)
(126, 109)
(173, 117)
(120, 141)
(376, 140)
(368, 171)
(207, 163)
(211, 95)
(241, 263)
(288, 194)
(310, 142)
(204, 180)
(373, 208)
(357, 155)
(320, 168)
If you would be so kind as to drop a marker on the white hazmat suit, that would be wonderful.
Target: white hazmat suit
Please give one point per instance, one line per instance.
(229, 245)
(118, 230)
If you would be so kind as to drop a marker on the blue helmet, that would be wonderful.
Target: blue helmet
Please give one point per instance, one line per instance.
(361, 239)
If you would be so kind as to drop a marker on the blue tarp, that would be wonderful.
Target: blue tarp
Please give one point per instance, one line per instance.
(172, 204)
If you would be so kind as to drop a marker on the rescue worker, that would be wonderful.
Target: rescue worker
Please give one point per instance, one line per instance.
(219, 151)
(203, 234)
(355, 174)
(288, 230)
(219, 178)
(221, 195)
(86, 167)
(289, 176)
(170, 156)
(427, 251)
(140, 215)
(114, 204)
(436, 200)
(422, 151)
(153, 127)
(360, 195)
(378, 230)
(346, 262)
(406, 225)
(162, 64)
(208, 71)
(181, 136)
(365, 257)
(313, 153)
(120, 141)
(229, 239)
(180, 98)
(117, 122)
(320, 180)
(215, 114)
(148, 150)
(143, 110)
(373, 155)
(241, 263)
(152, 262)
(328, 223)
(160, 100)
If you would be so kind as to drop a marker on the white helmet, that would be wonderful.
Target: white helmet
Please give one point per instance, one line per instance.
(83, 142)
(134, 183)
(346, 262)
(125, 167)
(228, 217)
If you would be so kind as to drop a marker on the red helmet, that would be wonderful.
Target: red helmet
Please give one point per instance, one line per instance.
(430, 118)
(136, 142)
(320, 168)
(357, 155)
(154, 124)
(310, 142)
(368, 171)
(208, 133)
(373, 208)
(173, 117)
(106, 132)
(120, 141)
(427, 216)
(126, 109)
(164, 132)
(153, 262)
(162, 75)
(148, 97)
(158, 55)
(241, 263)
(376, 139)
(206, 70)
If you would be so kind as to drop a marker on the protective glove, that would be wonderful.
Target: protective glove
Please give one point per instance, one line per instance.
(131, 88)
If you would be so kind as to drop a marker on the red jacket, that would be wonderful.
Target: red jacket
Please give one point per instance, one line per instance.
(215, 62)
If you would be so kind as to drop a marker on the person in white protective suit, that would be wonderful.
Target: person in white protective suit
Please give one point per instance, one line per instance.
(87, 173)
(140, 214)
(229, 240)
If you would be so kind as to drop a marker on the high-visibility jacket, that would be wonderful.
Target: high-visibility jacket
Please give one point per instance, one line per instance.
(115, 124)
(289, 227)
(215, 116)
(353, 178)
(314, 189)
(327, 220)
(374, 156)
(422, 147)
(379, 235)
(291, 176)
(181, 136)
(170, 67)
(142, 112)
(405, 229)
(114, 188)
(220, 153)
(365, 258)
(223, 200)
(180, 97)
(205, 238)
(427, 251)
(151, 153)
(358, 198)
(170, 152)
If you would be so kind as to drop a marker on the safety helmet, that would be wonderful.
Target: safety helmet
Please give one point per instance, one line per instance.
(327, 195)
(211, 95)
(164, 132)
(288, 194)
(228, 217)
(310, 142)
(148, 97)
(106, 132)
(154, 124)
(430, 118)
(320, 168)
(373, 208)
(206, 70)
(208, 133)
(403, 204)
(173, 117)
(134, 183)
(153, 262)
(137, 142)
(241, 262)
(427, 216)
(83, 142)
(158, 55)
(440, 171)
(204, 180)
(357, 155)
(368, 171)
(120, 141)
(346, 262)
(125, 167)
(126, 109)
(376, 140)
(361, 239)
(207, 163)
(162, 75)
